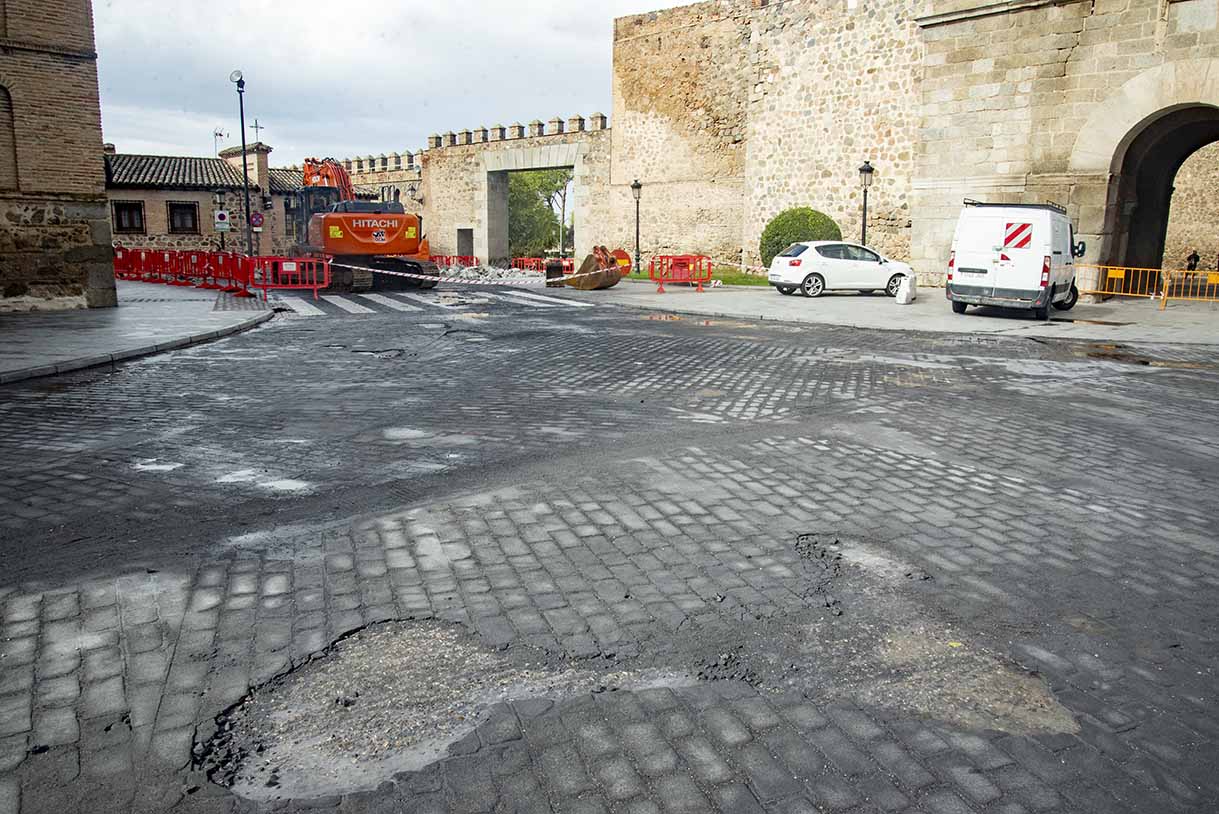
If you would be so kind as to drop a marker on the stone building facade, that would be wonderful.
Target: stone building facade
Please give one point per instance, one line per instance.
(54, 231)
(169, 202)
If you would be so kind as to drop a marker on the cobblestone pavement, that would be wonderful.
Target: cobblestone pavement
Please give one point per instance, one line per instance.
(898, 572)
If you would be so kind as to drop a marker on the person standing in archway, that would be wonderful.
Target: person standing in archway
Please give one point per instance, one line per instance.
(1191, 262)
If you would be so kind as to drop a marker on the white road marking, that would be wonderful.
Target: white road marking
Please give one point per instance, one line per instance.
(543, 298)
(515, 301)
(389, 302)
(301, 307)
(426, 300)
(347, 305)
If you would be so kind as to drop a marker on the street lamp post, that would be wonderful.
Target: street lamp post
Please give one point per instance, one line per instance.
(865, 178)
(236, 77)
(637, 191)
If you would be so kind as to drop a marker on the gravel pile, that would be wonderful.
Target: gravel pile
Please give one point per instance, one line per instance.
(489, 273)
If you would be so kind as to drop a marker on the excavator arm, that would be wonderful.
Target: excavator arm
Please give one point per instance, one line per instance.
(327, 172)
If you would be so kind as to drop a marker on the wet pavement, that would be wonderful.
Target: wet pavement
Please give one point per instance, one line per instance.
(500, 557)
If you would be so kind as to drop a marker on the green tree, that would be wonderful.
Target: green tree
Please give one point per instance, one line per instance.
(793, 226)
(533, 224)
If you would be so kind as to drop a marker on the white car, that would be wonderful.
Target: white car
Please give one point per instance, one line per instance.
(830, 265)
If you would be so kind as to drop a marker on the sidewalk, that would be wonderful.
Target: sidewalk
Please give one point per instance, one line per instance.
(1114, 320)
(149, 318)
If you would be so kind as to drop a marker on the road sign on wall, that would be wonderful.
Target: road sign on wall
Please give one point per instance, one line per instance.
(221, 222)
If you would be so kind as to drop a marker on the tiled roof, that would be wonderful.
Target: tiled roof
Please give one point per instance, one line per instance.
(286, 181)
(171, 172)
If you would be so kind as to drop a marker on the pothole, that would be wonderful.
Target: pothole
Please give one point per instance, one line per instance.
(387, 699)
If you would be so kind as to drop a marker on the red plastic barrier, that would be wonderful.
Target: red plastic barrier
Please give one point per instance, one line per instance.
(679, 268)
(451, 260)
(307, 273)
(529, 263)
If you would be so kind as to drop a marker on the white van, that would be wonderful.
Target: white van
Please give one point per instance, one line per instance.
(1013, 255)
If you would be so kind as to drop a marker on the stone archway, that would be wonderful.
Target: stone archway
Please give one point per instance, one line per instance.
(1136, 140)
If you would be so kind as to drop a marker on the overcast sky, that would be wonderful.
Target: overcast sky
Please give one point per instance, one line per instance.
(350, 77)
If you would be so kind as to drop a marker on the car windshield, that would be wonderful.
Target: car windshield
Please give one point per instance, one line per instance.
(794, 250)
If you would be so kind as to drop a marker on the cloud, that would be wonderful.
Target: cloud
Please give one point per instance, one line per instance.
(347, 79)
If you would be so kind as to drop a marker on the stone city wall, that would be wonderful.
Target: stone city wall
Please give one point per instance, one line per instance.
(464, 181)
(1193, 223)
(681, 84)
(837, 84)
(54, 254)
(1032, 103)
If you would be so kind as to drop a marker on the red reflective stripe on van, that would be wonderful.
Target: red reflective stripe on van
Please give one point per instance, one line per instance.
(1018, 236)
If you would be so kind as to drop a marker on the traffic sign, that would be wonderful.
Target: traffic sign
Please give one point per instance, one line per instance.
(256, 219)
(221, 222)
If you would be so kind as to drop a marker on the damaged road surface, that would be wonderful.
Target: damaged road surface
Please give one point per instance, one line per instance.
(552, 560)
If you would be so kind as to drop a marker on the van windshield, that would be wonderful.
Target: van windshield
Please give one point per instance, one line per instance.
(794, 250)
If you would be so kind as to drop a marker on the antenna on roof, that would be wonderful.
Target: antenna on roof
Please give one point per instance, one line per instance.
(217, 135)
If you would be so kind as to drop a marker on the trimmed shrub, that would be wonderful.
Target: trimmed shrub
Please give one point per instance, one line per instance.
(794, 226)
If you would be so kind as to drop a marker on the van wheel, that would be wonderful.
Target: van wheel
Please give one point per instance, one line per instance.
(894, 283)
(1069, 302)
(958, 307)
(786, 290)
(813, 285)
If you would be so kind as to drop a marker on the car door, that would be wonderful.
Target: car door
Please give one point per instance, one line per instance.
(868, 270)
(834, 265)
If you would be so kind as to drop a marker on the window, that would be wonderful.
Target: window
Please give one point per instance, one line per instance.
(834, 251)
(794, 250)
(860, 253)
(183, 218)
(129, 217)
(8, 142)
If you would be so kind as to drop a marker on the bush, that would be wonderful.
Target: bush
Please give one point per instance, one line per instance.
(794, 226)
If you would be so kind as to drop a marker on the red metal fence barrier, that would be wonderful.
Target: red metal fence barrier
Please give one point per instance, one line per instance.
(446, 261)
(305, 273)
(679, 268)
(222, 271)
(529, 263)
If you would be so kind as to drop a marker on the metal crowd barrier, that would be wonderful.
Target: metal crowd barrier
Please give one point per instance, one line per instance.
(679, 268)
(221, 271)
(446, 261)
(1148, 283)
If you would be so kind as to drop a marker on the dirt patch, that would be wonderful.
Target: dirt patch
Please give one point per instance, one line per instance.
(387, 699)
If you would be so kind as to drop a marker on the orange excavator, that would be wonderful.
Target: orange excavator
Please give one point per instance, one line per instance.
(359, 236)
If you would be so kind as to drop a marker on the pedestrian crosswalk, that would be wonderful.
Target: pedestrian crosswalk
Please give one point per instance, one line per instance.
(341, 305)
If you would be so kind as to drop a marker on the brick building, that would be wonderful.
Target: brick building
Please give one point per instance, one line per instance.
(55, 247)
(168, 202)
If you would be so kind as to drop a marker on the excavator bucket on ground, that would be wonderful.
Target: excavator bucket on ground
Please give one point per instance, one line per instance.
(599, 270)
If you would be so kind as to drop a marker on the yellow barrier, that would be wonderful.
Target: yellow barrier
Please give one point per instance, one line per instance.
(1166, 284)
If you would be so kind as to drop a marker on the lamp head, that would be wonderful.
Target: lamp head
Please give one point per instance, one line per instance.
(235, 76)
(865, 174)
(636, 189)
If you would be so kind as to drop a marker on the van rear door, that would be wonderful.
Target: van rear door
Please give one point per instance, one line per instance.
(979, 235)
(1020, 252)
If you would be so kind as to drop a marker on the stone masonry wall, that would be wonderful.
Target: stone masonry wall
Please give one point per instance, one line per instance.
(1013, 100)
(54, 231)
(681, 85)
(836, 85)
(1193, 223)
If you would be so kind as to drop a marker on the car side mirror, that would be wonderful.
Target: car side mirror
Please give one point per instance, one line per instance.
(1079, 248)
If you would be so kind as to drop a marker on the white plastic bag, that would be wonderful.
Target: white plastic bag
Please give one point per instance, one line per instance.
(907, 290)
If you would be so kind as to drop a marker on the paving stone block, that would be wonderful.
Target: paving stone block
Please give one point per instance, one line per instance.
(595, 739)
(802, 759)
(105, 697)
(835, 746)
(909, 772)
(102, 664)
(725, 727)
(14, 713)
(13, 751)
(649, 750)
(55, 727)
(618, 778)
(679, 795)
(768, 779)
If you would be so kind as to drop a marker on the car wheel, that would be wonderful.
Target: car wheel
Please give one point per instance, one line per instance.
(892, 286)
(786, 290)
(1069, 302)
(958, 307)
(813, 285)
